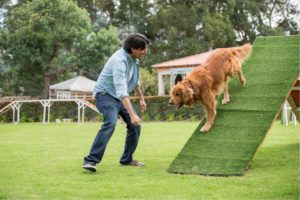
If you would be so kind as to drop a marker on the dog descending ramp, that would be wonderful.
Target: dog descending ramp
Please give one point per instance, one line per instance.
(241, 125)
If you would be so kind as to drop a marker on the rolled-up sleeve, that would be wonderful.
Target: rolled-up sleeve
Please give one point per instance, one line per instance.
(120, 81)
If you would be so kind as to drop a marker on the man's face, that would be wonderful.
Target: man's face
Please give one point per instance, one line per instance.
(138, 53)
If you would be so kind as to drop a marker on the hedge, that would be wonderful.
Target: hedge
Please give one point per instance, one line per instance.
(158, 109)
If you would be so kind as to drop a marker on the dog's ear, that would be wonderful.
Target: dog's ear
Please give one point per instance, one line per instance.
(188, 94)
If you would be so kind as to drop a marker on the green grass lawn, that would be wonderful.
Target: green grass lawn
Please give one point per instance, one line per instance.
(44, 162)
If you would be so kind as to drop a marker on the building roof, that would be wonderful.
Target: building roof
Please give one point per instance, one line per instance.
(189, 61)
(78, 83)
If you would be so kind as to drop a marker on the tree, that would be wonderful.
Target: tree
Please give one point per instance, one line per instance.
(89, 55)
(252, 18)
(176, 28)
(101, 11)
(35, 33)
(179, 28)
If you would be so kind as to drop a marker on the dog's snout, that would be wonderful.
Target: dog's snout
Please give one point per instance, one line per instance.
(170, 102)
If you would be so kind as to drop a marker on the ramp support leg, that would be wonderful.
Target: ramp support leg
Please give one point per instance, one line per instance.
(46, 114)
(16, 107)
(81, 108)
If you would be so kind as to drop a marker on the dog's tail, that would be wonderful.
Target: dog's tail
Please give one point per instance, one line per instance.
(236, 57)
(242, 52)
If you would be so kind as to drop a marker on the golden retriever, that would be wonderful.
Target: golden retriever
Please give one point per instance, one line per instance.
(207, 81)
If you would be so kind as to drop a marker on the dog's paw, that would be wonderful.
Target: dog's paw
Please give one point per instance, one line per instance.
(205, 128)
(225, 101)
(243, 82)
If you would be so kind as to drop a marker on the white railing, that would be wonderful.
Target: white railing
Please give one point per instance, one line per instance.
(69, 95)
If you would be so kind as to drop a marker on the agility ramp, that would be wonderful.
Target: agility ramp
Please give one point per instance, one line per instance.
(241, 125)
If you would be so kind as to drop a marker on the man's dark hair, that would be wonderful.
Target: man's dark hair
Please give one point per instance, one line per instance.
(136, 41)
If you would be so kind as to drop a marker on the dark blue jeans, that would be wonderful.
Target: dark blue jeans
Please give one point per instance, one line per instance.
(110, 108)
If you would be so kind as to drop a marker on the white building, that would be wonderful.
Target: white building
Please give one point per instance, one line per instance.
(76, 88)
(170, 72)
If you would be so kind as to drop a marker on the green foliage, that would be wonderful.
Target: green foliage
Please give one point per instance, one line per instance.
(148, 82)
(33, 112)
(47, 41)
(218, 31)
(101, 118)
(157, 117)
(145, 117)
(130, 16)
(4, 118)
(23, 118)
(173, 32)
(170, 117)
(159, 109)
(34, 34)
(91, 52)
(194, 118)
(180, 28)
(101, 11)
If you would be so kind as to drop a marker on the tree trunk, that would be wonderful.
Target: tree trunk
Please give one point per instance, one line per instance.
(50, 72)
(47, 82)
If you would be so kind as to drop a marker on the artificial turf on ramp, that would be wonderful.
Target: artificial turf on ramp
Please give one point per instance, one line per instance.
(241, 125)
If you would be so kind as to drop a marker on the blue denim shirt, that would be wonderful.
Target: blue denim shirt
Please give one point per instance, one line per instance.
(115, 79)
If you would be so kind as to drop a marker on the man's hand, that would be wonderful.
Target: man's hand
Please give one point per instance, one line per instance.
(135, 120)
(138, 91)
(143, 105)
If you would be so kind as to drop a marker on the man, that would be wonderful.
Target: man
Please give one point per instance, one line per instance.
(118, 78)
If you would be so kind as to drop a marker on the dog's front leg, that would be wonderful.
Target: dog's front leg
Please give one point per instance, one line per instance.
(210, 106)
(242, 78)
(226, 95)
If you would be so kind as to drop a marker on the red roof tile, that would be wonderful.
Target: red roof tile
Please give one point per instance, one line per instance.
(188, 61)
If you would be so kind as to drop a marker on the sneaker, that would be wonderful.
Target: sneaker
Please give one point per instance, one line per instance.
(135, 163)
(90, 167)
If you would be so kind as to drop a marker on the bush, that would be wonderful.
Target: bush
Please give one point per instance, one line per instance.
(158, 117)
(145, 117)
(34, 112)
(170, 117)
(158, 109)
